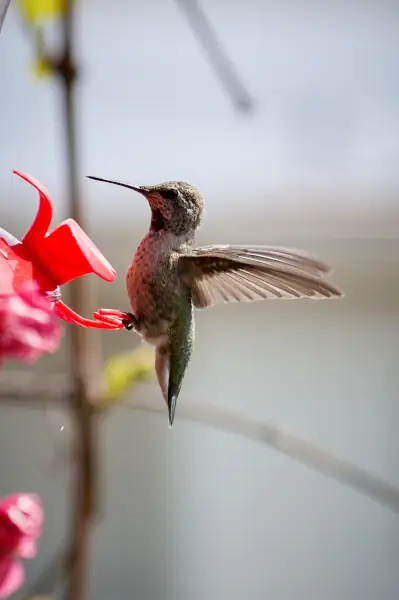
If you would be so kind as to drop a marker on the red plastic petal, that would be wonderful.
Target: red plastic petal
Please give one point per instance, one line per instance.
(54, 259)
(67, 252)
(116, 322)
(67, 314)
(42, 221)
(111, 312)
(73, 254)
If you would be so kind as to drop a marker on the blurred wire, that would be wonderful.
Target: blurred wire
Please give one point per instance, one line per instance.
(38, 394)
(293, 446)
(266, 433)
(222, 65)
(4, 4)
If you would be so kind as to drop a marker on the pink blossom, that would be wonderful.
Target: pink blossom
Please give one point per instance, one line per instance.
(28, 325)
(21, 522)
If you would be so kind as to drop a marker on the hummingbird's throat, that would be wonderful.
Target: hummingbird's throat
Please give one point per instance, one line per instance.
(157, 220)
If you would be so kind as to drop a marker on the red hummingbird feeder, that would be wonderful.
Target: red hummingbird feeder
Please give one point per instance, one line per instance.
(53, 259)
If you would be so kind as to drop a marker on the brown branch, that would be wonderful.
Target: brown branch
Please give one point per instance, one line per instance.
(81, 350)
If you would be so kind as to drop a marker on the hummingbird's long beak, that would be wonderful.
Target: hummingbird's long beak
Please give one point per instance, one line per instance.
(136, 188)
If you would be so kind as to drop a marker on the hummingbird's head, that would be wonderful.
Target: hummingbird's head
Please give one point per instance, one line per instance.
(176, 206)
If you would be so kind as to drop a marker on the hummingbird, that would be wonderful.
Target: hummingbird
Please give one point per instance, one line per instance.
(168, 278)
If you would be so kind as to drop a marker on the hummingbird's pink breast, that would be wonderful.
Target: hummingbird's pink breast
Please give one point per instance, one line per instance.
(152, 282)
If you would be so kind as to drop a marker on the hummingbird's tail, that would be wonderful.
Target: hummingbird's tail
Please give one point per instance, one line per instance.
(172, 401)
(170, 390)
(173, 355)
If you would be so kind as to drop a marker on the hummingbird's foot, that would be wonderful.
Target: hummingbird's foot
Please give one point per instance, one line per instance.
(129, 321)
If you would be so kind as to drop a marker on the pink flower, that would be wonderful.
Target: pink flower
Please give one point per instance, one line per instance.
(28, 325)
(21, 522)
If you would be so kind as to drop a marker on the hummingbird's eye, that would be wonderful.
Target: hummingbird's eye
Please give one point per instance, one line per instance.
(169, 194)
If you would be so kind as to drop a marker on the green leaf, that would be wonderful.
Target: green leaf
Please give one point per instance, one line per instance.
(41, 68)
(123, 371)
(35, 11)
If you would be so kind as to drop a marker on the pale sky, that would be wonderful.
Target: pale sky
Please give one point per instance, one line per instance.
(325, 129)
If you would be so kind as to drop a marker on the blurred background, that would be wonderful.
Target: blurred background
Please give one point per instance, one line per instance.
(193, 513)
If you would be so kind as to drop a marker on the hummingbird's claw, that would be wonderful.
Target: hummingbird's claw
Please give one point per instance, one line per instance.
(112, 316)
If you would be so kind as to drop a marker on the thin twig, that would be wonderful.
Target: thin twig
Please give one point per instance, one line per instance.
(222, 65)
(4, 4)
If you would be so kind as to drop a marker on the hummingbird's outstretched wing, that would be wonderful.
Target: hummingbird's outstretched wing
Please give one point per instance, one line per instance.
(247, 273)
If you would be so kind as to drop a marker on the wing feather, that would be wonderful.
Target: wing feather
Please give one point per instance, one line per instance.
(249, 273)
(273, 256)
